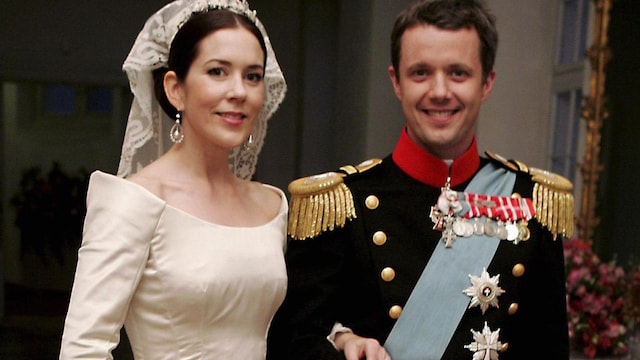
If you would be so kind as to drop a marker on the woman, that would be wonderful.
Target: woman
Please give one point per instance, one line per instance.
(187, 252)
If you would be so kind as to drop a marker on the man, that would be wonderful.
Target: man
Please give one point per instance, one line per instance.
(434, 252)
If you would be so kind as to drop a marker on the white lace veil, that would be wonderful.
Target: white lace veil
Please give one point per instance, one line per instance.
(146, 136)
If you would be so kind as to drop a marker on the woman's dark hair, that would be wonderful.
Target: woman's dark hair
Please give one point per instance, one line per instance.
(449, 15)
(184, 47)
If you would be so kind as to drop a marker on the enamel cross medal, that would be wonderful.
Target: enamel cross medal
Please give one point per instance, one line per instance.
(443, 214)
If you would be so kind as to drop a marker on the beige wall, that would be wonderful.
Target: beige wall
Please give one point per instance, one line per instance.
(515, 120)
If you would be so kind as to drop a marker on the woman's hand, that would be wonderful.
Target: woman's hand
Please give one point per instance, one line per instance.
(359, 348)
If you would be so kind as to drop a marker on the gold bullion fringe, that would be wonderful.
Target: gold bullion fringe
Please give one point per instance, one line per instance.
(312, 214)
(554, 209)
(552, 196)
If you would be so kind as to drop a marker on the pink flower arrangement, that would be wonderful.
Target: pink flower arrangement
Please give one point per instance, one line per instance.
(599, 305)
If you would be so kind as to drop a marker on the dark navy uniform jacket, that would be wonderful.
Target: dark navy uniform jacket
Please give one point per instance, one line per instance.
(337, 275)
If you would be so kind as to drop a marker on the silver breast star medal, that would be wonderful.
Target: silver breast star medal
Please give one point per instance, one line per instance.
(443, 214)
(486, 345)
(484, 291)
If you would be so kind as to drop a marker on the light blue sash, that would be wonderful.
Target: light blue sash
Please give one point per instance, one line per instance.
(437, 302)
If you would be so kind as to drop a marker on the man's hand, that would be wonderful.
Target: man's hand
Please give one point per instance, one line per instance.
(359, 348)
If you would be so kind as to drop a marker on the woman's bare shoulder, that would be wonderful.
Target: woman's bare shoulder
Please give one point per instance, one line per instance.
(266, 195)
(151, 178)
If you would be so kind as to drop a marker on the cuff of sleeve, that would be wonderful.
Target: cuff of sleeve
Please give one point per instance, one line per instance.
(337, 328)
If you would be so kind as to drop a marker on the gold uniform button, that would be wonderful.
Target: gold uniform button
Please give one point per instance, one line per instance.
(379, 238)
(395, 311)
(513, 308)
(372, 202)
(388, 274)
(518, 270)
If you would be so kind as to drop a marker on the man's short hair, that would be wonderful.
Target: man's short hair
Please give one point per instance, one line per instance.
(449, 15)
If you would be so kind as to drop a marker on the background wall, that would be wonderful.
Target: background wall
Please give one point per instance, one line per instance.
(339, 109)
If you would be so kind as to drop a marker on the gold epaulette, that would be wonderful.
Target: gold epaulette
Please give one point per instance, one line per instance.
(322, 202)
(552, 196)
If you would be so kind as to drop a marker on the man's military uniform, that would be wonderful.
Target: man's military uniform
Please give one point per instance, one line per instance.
(361, 238)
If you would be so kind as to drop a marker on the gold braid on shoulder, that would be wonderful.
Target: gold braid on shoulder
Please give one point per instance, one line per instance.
(552, 196)
(322, 202)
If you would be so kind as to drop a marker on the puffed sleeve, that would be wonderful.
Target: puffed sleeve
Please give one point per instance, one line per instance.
(120, 222)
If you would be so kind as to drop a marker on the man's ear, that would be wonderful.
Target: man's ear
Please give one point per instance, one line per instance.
(488, 85)
(173, 89)
(394, 81)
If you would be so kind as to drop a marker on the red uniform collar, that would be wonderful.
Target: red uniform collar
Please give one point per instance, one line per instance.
(428, 169)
